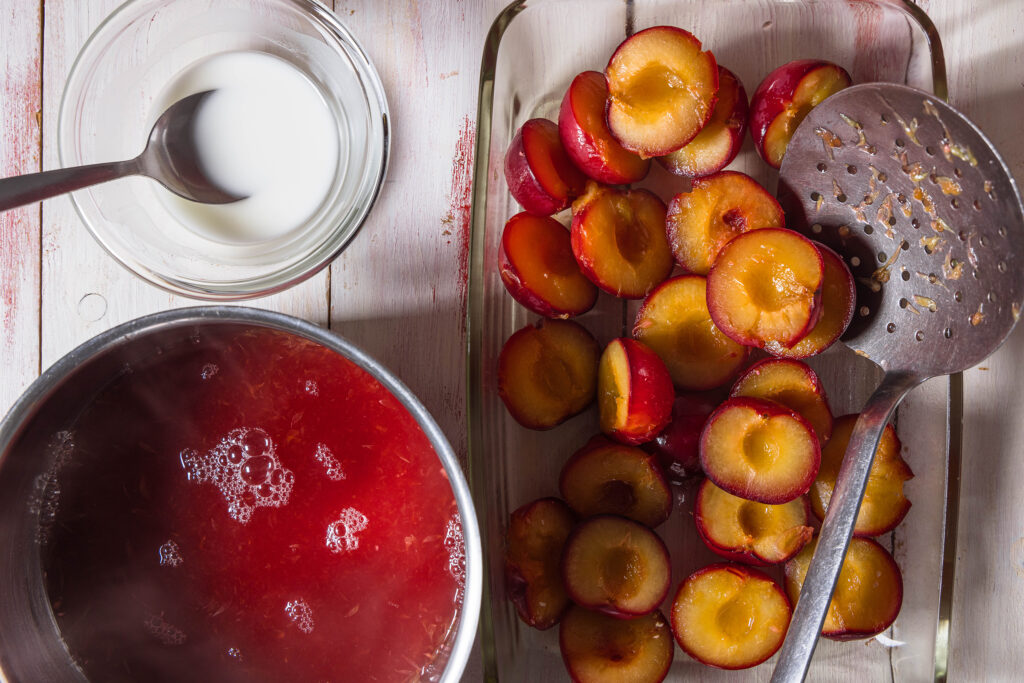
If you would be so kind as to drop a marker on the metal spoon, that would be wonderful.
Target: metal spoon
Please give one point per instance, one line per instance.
(170, 157)
(930, 222)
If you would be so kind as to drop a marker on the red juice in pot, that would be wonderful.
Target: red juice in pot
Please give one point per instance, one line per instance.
(252, 507)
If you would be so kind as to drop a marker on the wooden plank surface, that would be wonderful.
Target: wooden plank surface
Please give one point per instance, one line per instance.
(399, 290)
(986, 81)
(20, 130)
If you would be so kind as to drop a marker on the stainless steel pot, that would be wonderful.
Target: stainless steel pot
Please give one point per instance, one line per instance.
(31, 648)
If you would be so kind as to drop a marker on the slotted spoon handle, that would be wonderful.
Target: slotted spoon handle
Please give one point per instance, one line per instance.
(820, 582)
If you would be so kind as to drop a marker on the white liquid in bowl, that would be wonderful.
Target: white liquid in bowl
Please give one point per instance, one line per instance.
(266, 133)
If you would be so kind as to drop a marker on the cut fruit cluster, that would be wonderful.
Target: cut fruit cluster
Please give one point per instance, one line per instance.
(615, 565)
(662, 89)
(675, 323)
(618, 239)
(717, 209)
(538, 268)
(760, 450)
(662, 95)
(868, 594)
(536, 535)
(678, 445)
(635, 392)
(597, 648)
(748, 531)
(719, 141)
(794, 385)
(730, 616)
(605, 576)
(766, 289)
(884, 504)
(605, 477)
(785, 97)
(675, 401)
(547, 372)
(538, 171)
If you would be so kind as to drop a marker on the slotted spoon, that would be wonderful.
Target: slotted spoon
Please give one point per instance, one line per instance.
(930, 222)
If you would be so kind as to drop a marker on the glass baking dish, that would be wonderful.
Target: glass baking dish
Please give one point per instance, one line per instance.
(532, 52)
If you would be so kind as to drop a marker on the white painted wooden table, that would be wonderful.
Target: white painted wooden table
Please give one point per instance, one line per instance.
(399, 290)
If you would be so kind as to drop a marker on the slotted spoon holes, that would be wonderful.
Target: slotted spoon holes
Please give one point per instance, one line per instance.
(878, 252)
(932, 237)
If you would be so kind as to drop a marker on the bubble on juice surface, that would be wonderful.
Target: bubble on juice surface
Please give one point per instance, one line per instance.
(341, 533)
(170, 554)
(235, 454)
(245, 469)
(235, 654)
(255, 442)
(256, 470)
(455, 544)
(332, 467)
(167, 634)
(209, 370)
(312, 388)
(301, 614)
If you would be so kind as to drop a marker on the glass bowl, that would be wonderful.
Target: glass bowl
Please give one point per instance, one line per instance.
(529, 60)
(107, 110)
(31, 647)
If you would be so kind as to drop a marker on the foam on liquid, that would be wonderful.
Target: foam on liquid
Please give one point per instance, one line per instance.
(267, 133)
(245, 468)
(268, 528)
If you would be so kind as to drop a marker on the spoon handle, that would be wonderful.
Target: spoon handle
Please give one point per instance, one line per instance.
(34, 187)
(820, 582)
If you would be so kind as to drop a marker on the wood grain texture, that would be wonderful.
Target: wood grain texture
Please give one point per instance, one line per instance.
(399, 290)
(84, 290)
(986, 81)
(20, 130)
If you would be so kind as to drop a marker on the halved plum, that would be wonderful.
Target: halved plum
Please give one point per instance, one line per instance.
(747, 531)
(538, 171)
(533, 552)
(718, 208)
(765, 288)
(868, 595)
(547, 372)
(719, 141)
(538, 269)
(605, 477)
(662, 89)
(635, 392)
(586, 138)
(615, 565)
(884, 504)
(678, 445)
(838, 301)
(730, 616)
(618, 238)
(597, 648)
(794, 385)
(675, 323)
(759, 450)
(785, 97)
